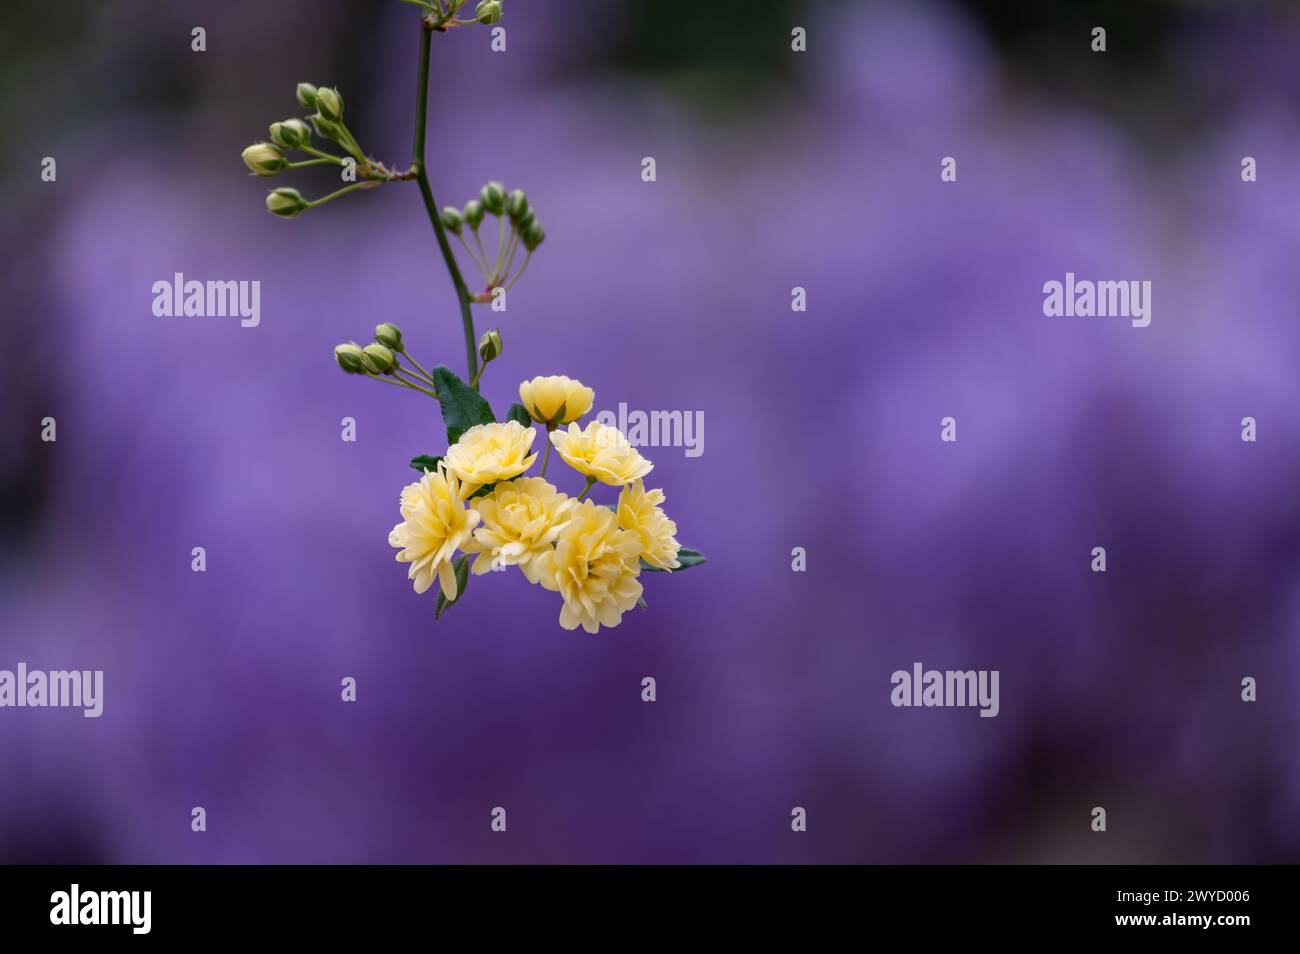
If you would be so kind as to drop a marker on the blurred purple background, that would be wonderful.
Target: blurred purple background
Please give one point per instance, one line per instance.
(775, 169)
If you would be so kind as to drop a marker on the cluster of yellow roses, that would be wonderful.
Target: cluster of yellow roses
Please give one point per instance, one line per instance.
(478, 501)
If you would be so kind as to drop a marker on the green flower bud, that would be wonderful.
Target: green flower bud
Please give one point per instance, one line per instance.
(285, 202)
(525, 222)
(324, 127)
(490, 346)
(350, 358)
(516, 205)
(291, 134)
(452, 220)
(474, 213)
(306, 96)
(264, 159)
(378, 359)
(488, 11)
(389, 335)
(534, 236)
(329, 104)
(493, 196)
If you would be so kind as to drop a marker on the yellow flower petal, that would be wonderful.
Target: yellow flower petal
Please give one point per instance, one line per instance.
(602, 452)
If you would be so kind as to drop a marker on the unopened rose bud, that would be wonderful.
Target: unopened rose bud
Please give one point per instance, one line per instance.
(285, 202)
(291, 134)
(329, 104)
(534, 237)
(307, 95)
(525, 222)
(324, 127)
(488, 11)
(389, 335)
(516, 205)
(350, 358)
(452, 220)
(490, 346)
(378, 359)
(264, 159)
(493, 196)
(474, 213)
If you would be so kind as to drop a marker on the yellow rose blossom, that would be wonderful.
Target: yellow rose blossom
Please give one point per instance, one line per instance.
(521, 519)
(487, 453)
(544, 398)
(594, 567)
(639, 511)
(601, 452)
(434, 524)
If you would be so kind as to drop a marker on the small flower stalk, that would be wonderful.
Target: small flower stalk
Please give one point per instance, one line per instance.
(382, 359)
(294, 135)
(484, 498)
(442, 15)
(516, 228)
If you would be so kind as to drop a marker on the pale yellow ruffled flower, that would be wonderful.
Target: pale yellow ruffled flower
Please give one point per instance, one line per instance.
(434, 524)
(594, 567)
(521, 519)
(487, 453)
(543, 398)
(602, 452)
(639, 511)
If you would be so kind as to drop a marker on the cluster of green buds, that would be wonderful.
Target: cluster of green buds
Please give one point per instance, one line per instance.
(380, 360)
(267, 159)
(446, 13)
(517, 225)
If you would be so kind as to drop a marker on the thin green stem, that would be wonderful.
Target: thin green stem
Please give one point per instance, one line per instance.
(474, 258)
(497, 273)
(510, 253)
(349, 142)
(410, 383)
(333, 195)
(338, 161)
(431, 205)
(522, 268)
(478, 240)
(591, 482)
(386, 380)
(419, 367)
(546, 458)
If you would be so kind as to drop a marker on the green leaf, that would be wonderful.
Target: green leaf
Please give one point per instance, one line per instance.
(517, 412)
(640, 601)
(462, 577)
(425, 462)
(462, 406)
(483, 491)
(685, 556)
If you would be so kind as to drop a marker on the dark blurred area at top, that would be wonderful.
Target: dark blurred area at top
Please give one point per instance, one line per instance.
(722, 56)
